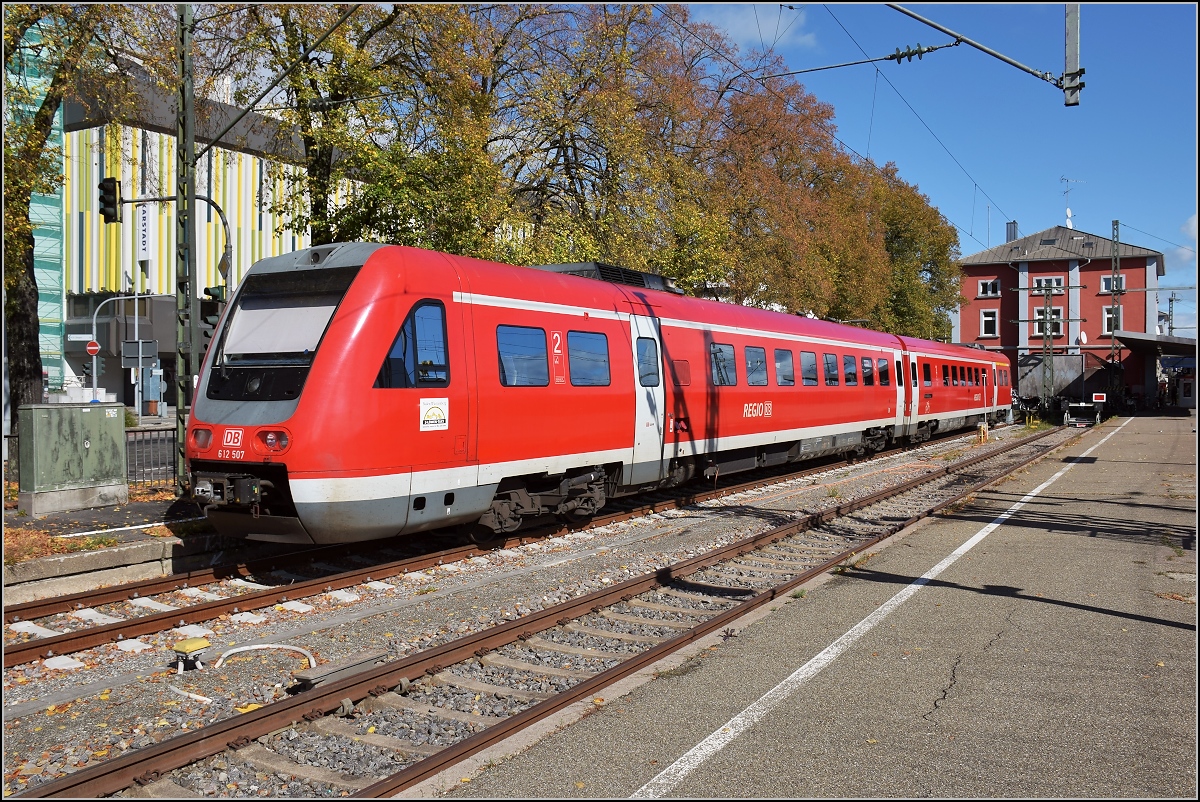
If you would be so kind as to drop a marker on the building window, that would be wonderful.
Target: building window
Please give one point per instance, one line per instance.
(989, 289)
(1053, 282)
(989, 324)
(1112, 319)
(1106, 284)
(1039, 315)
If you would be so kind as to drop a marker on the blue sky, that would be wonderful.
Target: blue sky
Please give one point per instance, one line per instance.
(972, 132)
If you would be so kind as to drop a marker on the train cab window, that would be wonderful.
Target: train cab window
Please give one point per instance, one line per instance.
(785, 374)
(808, 368)
(831, 370)
(884, 379)
(522, 354)
(724, 368)
(926, 376)
(868, 372)
(945, 375)
(647, 357)
(587, 355)
(850, 369)
(756, 366)
(418, 354)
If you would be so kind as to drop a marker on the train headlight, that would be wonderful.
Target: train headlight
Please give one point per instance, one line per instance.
(271, 441)
(202, 438)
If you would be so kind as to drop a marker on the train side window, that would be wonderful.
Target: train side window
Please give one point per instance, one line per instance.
(868, 372)
(912, 371)
(831, 370)
(417, 357)
(899, 373)
(954, 375)
(967, 380)
(926, 377)
(884, 379)
(724, 368)
(647, 354)
(785, 373)
(850, 369)
(975, 373)
(587, 354)
(994, 377)
(522, 354)
(945, 375)
(756, 366)
(808, 368)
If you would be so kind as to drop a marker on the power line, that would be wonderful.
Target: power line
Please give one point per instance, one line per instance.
(1160, 239)
(878, 73)
(786, 102)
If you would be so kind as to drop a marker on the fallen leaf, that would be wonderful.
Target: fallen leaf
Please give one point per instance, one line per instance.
(872, 741)
(580, 785)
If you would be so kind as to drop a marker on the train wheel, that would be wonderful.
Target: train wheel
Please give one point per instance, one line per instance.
(482, 535)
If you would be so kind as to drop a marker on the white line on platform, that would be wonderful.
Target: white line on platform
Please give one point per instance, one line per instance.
(674, 774)
(123, 528)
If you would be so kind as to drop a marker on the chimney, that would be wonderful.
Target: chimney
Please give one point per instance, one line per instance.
(1010, 231)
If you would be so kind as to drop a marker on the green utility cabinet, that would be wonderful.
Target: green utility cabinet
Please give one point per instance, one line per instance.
(72, 456)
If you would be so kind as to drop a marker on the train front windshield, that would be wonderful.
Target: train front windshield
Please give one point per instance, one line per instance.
(278, 319)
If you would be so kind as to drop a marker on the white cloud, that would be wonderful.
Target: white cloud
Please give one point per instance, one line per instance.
(760, 26)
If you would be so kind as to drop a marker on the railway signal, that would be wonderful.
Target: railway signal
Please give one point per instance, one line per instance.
(210, 311)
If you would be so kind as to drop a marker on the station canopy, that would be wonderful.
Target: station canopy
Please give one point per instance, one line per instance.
(1157, 344)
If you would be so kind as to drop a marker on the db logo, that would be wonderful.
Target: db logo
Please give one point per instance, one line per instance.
(233, 438)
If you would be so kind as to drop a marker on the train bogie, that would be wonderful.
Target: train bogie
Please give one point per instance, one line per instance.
(361, 391)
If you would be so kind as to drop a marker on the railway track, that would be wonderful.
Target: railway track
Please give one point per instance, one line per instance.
(65, 625)
(426, 712)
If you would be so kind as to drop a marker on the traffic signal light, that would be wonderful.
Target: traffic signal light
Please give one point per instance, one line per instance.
(110, 200)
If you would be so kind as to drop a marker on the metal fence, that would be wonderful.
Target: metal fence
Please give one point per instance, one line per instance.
(149, 458)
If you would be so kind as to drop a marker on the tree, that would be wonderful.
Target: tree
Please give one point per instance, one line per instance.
(48, 51)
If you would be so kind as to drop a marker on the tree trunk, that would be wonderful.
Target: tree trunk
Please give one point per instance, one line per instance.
(21, 332)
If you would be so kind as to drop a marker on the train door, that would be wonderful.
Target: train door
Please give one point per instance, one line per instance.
(906, 378)
(649, 410)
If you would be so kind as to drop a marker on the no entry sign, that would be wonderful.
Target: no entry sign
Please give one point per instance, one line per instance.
(93, 347)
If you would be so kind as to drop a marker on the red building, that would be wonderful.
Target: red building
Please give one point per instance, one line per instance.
(1006, 310)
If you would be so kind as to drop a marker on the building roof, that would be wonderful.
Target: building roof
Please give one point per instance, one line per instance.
(1059, 243)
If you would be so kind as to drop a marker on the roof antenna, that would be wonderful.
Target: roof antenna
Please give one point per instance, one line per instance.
(1067, 193)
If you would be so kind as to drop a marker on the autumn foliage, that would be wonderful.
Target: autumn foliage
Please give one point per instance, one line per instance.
(544, 133)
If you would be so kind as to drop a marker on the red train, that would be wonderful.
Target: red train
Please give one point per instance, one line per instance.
(358, 391)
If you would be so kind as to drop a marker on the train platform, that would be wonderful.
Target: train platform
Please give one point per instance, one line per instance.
(1037, 641)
